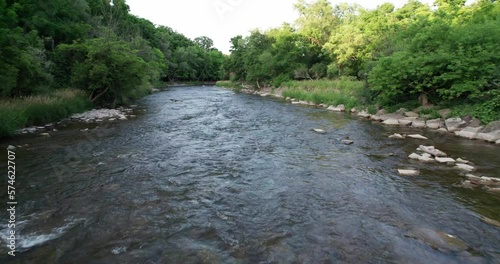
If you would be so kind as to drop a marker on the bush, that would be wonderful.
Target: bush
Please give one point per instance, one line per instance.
(40, 110)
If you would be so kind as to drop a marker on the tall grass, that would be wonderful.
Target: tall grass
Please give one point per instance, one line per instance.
(332, 92)
(40, 109)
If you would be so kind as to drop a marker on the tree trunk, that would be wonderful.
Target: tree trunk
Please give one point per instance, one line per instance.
(423, 99)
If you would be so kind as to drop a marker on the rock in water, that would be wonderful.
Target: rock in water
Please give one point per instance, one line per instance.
(438, 240)
(417, 136)
(408, 172)
(445, 160)
(347, 142)
(414, 156)
(397, 136)
(465, 167)
(319, 131)
(433, 151)
(10, 147)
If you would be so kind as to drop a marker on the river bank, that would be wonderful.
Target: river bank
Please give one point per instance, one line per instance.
(462, 126)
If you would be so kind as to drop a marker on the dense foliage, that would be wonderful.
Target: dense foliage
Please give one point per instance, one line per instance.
(96, 46)
(443, 55)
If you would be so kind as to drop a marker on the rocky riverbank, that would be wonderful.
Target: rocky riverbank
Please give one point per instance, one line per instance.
(465, 127)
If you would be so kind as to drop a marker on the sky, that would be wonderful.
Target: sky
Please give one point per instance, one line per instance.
(221, 20)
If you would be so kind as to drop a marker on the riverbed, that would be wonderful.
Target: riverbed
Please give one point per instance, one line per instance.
(206, 175)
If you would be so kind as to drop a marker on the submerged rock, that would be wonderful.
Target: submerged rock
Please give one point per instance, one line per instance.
(438, 240)
(319, 131)
(347, 142)
(485, 181)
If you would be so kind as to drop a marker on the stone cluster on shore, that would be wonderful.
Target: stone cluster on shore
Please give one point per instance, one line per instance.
(92, 116)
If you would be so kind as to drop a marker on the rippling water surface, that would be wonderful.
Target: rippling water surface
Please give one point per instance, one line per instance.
(219, 177)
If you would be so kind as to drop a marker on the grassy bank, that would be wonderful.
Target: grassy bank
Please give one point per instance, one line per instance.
(332, 92)
(229, 85)
(40, 110)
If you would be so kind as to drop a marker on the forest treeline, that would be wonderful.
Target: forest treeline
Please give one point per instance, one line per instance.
(446, 54)
(97, 47)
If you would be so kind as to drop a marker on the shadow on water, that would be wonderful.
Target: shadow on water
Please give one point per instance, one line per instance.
(218, 177)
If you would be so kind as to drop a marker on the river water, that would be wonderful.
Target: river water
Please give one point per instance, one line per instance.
(219, 177)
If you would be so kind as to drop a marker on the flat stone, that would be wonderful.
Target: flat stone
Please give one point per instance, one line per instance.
(460, 160)
(411, 114)
(490, 137)
(418, 124)
(354, 110)
(435, 123)
(445, 160)
(417, 136)
(405, 121)
(486, 181)
(376, 118)
(454, 124)
(381, 112)
(469, 132)
(432, 151)
(391, 121)
(40, 128)
(295, 102)
(347, 142)
(407, 172)
(465, 167)
(475, 122)
(45, 134)
(10, 147)
(319, 131)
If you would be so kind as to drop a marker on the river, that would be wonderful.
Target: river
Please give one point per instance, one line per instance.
(213, 176)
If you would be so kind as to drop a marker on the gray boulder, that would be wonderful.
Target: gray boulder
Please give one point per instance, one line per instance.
(469, 132)
(490, 137)
(418, 123)
(391, 121)
(454, 124)
(493, 126)
(435, 123)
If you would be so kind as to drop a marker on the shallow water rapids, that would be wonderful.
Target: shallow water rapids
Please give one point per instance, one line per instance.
(218, 177)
